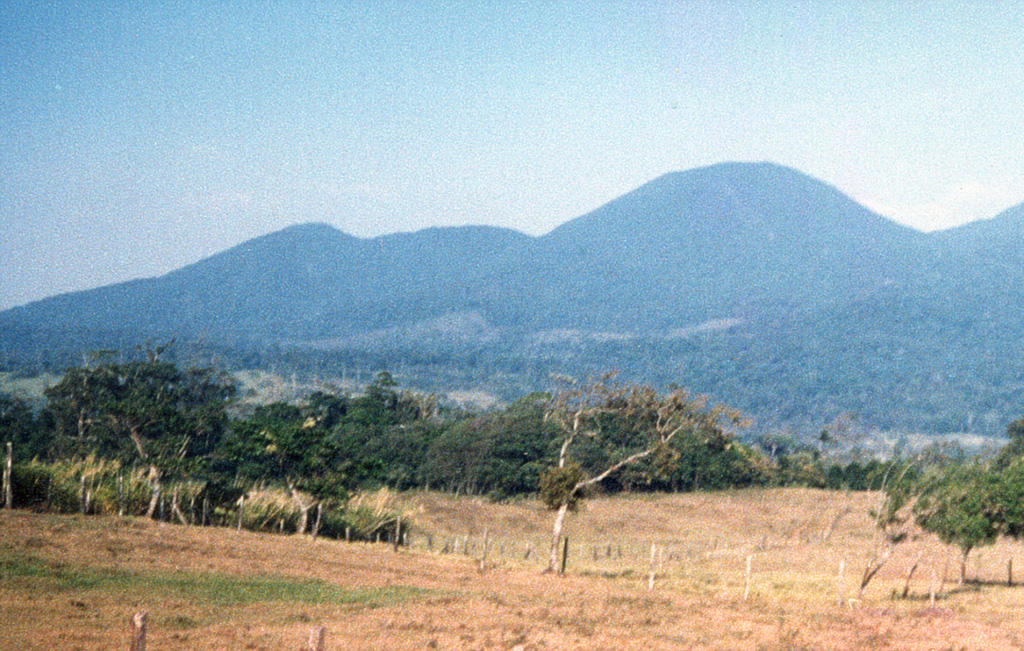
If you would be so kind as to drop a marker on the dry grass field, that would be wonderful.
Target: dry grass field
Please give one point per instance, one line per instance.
(72, 582)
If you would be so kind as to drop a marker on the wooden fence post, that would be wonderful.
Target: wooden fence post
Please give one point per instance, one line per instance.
(120, 493)
(746, 588)
(650, 576)
(83, 499)
(316, 639)
(138, 632)
(8, 470)
(840, 592)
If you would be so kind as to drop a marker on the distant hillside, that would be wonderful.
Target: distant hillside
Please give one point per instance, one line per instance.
(728, 240)
(303, 282)
(999, 240)
(769, 289)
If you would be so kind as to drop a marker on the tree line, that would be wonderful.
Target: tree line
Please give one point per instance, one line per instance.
(151, 438)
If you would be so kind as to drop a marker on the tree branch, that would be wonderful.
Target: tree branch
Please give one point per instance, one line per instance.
(613, 468)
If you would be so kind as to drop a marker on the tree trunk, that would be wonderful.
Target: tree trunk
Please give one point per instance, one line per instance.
(556, 536)
(176, 508)
(154, 483)
(316, 523)
(565, 555)
(871, 569)
(303, 509)
(8, 471)
(910, 575)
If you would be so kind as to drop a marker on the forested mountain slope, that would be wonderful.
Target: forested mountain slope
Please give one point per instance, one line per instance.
(752, 281)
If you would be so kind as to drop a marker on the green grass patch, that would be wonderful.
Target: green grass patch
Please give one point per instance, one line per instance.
(232, 590)
(57, 576)
(609, 574)
(215, 589)
(26, 566)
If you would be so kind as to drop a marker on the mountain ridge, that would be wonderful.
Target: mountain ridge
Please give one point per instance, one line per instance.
(842, 302)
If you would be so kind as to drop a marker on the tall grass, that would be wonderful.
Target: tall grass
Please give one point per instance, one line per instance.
(87, 485)
(96, 486)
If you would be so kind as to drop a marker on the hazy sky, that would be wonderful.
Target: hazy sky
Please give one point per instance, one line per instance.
(136, 137)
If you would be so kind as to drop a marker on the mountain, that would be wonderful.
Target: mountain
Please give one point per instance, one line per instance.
(999, 240)
(708, 243)
(314, 281)
(767, 288)
(302, 282)
(727, 240)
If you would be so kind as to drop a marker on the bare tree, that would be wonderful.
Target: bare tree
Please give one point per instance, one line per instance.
(894, 520)
(634, 423)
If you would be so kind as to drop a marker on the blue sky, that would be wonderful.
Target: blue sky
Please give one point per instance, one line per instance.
(136, 138)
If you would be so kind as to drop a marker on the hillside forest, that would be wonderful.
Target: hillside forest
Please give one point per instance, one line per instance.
(768, 289)
(148, 438)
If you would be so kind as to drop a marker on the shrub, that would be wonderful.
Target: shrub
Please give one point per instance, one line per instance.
(31, 483)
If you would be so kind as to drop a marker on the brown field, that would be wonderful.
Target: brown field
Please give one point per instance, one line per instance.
(71, 582)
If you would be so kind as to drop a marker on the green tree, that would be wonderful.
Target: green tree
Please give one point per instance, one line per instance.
(22, 427)
(77, 402)
(327, 409)
(1009, 498)
(961, 505)
(383, 405)
(398, 453)
(281, 443)
(500, 453)
(383, 435)
(604, 427)
(1014, 449)
(456, 460)
(150, 412)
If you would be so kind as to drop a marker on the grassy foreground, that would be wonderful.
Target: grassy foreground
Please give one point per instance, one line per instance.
(467, 581)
